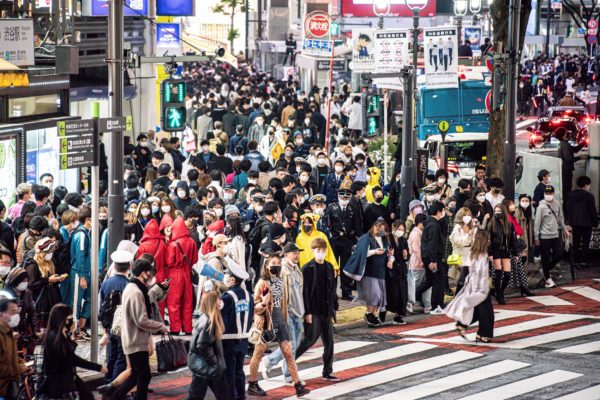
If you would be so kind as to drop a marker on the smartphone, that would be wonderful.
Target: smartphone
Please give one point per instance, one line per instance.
(29, 364)
(265, 291)
(64, 276)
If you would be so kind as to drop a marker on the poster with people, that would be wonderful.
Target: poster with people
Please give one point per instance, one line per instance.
(363, 50)
(473, 35)
(391, 54)
(441, 57)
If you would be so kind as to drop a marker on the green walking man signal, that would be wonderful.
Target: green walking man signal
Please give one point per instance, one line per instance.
(172, 99)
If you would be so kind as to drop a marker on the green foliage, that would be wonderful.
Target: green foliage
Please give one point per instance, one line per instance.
(233, 34)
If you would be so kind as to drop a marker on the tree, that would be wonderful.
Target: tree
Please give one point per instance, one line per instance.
(500, 15)
(582, 12)
(230, 8)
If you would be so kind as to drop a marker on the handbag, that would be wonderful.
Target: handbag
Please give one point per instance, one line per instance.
(171, 354)
(455, 259)
(193, 273)
(258, 336)
(115, 328)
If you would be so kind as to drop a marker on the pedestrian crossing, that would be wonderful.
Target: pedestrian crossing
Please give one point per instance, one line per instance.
(550, 301)
(431, 361)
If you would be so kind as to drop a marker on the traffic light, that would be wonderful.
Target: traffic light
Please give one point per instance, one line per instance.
(334, 29)
(371, 114)
(172, 99)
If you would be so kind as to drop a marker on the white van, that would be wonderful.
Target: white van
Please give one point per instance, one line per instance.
(466, 150)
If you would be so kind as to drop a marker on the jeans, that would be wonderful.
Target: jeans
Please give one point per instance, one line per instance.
(295, 327)
(115, 357)
(551, 255)
(140, 377)
(415, 277)
(321, 326)
(234, 351)
(199, 385)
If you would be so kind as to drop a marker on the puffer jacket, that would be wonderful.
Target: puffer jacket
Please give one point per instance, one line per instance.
(461, 242)
(205, 358)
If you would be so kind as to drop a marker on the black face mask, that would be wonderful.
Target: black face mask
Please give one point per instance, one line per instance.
(275, 269)
(378, 199)
(498, 215)
(103, 223)
(307, 229)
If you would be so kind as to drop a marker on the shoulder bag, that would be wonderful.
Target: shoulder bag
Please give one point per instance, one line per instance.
(193, 273)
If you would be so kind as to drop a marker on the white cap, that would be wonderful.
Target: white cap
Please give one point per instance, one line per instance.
(128, 246)
(237, 270)
(121, 257)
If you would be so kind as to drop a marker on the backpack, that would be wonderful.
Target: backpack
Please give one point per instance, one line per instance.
(255, 236)
(62, 256)
(108, 308)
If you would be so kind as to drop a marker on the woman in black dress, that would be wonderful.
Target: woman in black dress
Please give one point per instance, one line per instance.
(59, 378)
(396, 284)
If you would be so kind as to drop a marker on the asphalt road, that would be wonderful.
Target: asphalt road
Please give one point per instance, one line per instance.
(545, 347)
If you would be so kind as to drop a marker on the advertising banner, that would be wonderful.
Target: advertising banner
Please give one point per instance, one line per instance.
(441, 57)
(8, 170)
(363, 50)
(168, 37)
(316, 35)
(473, 35)
(99, 8)
(398, 8)
(16, 41)
(391, 54)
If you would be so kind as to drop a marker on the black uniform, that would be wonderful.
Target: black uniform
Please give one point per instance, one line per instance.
(343, 226)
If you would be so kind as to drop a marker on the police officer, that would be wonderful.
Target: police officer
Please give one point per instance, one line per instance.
(237, 312)
(290, 50)
(318, 206)
(342, 222)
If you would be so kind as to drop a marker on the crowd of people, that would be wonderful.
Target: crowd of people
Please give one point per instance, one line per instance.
(562, 80)
(247, 232)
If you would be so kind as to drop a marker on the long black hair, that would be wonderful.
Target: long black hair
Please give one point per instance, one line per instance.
(53, 337)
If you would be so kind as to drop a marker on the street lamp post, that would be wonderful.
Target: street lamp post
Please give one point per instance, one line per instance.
(381, 8)
(460, 10)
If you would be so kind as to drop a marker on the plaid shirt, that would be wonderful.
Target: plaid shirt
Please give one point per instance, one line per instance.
(447, 243)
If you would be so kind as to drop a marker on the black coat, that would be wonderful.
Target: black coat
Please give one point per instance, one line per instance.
(500, 241)
(224, 164)
(205, 358)
(319, 289)
(432, 242)
(581, 209)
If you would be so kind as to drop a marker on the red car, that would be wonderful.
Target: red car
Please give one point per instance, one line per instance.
(574, 119)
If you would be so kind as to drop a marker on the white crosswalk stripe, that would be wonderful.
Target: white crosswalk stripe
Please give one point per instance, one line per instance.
(454, 381)
(343, 365)
(550, 301)
(585, 291)
(317, 352)
(524, 386)
(591, 393)
(584, 348)
(390, 374)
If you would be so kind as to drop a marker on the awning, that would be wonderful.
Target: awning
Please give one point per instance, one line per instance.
(12, 76)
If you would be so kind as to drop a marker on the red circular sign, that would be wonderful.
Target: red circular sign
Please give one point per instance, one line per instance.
(488, 101)
(489, 59)
(316, 24)
(592, 24)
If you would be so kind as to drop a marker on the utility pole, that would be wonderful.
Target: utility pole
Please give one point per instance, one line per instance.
(548, 11)
(115, 139)
(247, 30)
(406, 173)
(512, 78)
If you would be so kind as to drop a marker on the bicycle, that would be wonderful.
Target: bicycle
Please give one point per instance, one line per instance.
(27, 386)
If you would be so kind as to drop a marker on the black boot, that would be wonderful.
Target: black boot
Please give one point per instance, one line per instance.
(301, 390)
(382, 315)
(505, 279)
(525, 292)
(497, 286)
(255, 390)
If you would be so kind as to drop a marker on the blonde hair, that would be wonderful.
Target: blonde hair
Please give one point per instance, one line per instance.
(209, 305)
(68, 217)
(46, 267)
(480, 243)
(130, 217)
(460, 214)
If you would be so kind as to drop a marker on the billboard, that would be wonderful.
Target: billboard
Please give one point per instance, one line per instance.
(363, 50)
(16, 41)
(398, 8)
(441, 57)
(175, 8)
(99, 8)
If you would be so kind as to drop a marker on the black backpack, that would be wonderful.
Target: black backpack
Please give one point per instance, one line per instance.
(108, 307)
(255, 237)
(62, 257)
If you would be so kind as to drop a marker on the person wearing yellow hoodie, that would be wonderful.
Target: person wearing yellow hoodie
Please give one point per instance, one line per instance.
(373, 175)
(307, 234)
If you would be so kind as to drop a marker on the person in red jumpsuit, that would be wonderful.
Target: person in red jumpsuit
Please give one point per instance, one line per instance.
(153, 243)
(182, 254)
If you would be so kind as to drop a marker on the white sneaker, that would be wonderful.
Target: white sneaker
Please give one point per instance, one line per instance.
(409, 307)
(437, 311)
(426, 310)
(550, 283)
(265, 368)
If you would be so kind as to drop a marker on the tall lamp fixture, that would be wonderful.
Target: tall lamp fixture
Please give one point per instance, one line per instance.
(381, 8)
(461, 7)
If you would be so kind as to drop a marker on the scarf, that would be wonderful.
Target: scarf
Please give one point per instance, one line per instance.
(144, 289)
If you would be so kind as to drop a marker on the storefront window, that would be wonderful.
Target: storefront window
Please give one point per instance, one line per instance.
(8, 169)
(42, 156)
(33, 105)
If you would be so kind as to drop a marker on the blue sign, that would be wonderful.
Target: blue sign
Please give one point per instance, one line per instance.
(31, 167)
(132, 8)
(175, 8)
(168, 35)
(317, 47)
(581, 31)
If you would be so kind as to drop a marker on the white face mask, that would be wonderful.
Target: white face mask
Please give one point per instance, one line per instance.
(75, 225)
(132, 210)
(48, 257)
(320, 211)
(299, 142)
(525, 204)
(49, 185)
(166, 209)
(4, 271)
(319, 255)
(181, 194)
(219, 212)
(306, 121)
(22, 286)
(258, 209)
(339, 169)
(227, 196)
(466, 219)
(282, 239)
(548, 197)
(430, 197)
(481, 199)
(344, 203)
(145, 212)
(399, 234)
(321, 161)
(418, 210)
(14, 321)
(252, 181)
(154, 210)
